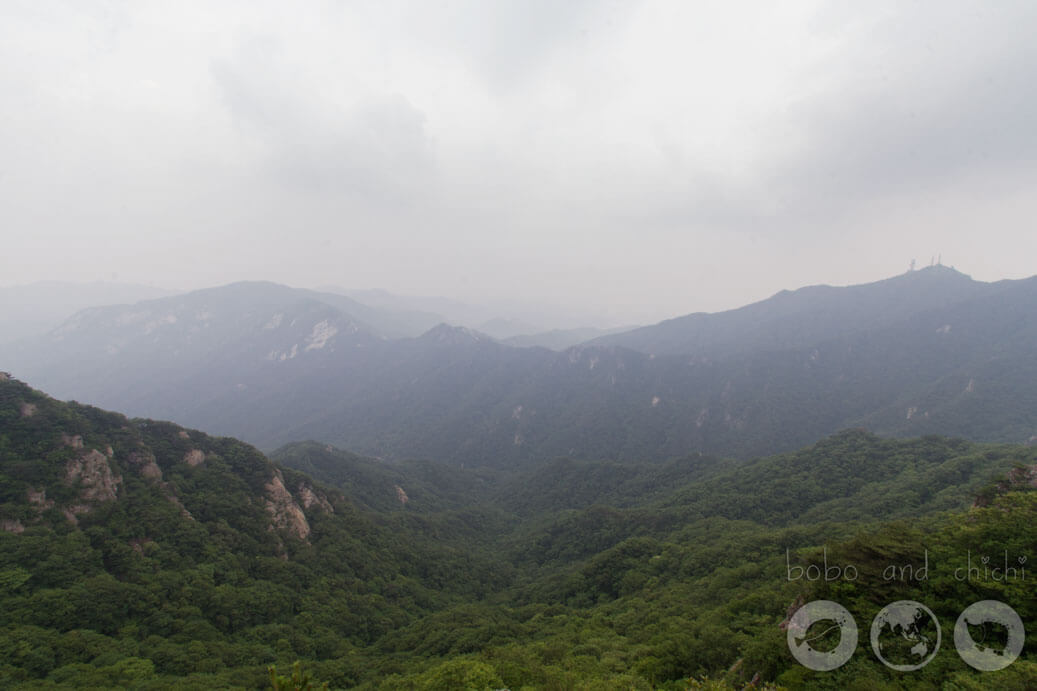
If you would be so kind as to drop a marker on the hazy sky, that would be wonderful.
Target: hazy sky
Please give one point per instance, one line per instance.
(644, 159)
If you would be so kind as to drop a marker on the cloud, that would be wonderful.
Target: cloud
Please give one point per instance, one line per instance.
(920, 100)
(507, 43)
(661, 157)
(376, 150)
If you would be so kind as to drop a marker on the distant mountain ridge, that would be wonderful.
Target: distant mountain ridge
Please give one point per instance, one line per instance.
(502, 320)
(799, 318)
(562, 339)
(29, 311)
(928, 352)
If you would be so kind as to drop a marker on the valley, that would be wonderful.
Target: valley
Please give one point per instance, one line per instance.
(146, 555)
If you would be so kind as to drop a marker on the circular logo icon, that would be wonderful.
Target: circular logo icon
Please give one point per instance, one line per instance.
(989, 618)
(905, 635)
(799, 642)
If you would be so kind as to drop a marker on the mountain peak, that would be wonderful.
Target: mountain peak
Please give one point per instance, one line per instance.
(938, 271)
(454, 335)
(798, 318)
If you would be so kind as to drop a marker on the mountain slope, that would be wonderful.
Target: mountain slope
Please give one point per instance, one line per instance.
(966, 368)
(421, 486)
(136, 551)
(139, 554)
(29, 311)
(185, 348)
(793, 320)
(561, 339)
(679, 568)
(500, 319)
(275, 366)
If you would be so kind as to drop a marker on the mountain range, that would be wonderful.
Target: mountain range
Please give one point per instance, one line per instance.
(29, 311)
(140, 554)
(535, 323)
(930, 351)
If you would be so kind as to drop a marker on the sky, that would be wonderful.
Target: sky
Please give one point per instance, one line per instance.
(629, 160)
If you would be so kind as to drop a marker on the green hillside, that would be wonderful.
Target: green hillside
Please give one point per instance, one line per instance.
(137, 554)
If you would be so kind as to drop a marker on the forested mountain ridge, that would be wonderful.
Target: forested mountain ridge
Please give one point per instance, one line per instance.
(640, 575)
(90, 460)
(417, 485)
(927, 352)
(139, 554)
(965, 369)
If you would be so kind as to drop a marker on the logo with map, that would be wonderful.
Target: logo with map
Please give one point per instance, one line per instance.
(988, 620)
(905, 635)
(835, 619)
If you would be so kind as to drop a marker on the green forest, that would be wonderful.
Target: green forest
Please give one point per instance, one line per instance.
(137, 554)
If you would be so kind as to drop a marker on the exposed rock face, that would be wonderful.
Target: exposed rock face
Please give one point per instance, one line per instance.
(72, 512)
(145, 463)
(10, 525)
(401, 495)
(75, 442)
(1018, 477)
(176, 502)
(95, 476)
(286, 513)
(1022, 478)
(39, 499)
(793, 608)
(310, 498)
(28, 409)
(183, 434)
(138, 544)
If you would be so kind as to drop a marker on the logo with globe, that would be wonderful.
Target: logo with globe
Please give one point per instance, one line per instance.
(987, 619)
(822, 635)
(905, 635)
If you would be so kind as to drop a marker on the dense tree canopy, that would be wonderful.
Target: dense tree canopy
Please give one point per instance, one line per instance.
(137, 554)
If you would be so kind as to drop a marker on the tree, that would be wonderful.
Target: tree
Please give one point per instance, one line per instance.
(298, 681)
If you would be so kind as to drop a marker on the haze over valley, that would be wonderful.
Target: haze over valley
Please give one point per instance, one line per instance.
(929, 351)
(517, 345)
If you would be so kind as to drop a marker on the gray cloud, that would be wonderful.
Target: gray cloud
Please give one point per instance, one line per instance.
(378, 148)
(961, 107)
(508, 42)
(642, 158)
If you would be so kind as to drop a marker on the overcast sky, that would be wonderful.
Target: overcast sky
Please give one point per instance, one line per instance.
(636, 159)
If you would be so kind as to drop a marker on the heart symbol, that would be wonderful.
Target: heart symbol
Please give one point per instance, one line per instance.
(985, 560)
(1022, 560)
